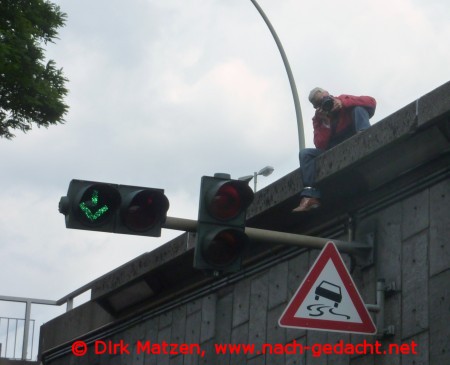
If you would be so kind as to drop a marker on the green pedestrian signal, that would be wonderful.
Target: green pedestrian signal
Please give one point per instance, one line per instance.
(91, 210)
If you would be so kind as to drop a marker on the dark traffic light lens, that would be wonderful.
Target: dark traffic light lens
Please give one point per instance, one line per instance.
(145, 209)
(225, 247)
(98, 204)
(227, 202)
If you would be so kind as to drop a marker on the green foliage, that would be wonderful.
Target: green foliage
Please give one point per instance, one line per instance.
(31, 91)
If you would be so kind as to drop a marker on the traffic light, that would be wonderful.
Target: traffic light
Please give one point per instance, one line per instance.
(114, 208)
(221, 239)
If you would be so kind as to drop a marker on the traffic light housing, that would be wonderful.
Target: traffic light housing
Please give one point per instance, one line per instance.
(106, 207)
(221, 239)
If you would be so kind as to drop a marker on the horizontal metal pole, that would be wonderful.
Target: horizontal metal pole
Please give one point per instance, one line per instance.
(26, 300)
(292, 239)
(180, 224)
(373, 308)
(276, 237)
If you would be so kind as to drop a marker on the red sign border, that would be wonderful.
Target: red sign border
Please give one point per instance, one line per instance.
(288, 319)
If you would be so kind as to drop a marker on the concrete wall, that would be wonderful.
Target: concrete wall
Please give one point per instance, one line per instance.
(408, 203)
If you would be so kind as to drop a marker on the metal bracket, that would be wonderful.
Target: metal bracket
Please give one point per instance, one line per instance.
(382, 289)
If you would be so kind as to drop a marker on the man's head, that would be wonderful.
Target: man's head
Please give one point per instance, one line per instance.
(316, 95)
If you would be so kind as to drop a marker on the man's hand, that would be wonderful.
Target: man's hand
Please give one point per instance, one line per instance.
(337, 105)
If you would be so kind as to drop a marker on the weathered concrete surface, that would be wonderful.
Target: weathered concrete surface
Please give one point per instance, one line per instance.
(395, 174)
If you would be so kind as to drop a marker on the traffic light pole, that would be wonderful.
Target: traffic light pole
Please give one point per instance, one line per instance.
(275, 237)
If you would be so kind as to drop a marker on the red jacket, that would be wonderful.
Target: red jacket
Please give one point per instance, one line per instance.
(343, 118)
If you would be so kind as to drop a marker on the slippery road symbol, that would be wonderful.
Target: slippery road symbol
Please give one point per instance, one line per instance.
(317, 310)
(331, 292)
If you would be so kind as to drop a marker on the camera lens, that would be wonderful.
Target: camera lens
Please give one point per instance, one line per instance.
(327, 103)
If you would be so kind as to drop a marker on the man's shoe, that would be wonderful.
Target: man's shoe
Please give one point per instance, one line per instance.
(307, 204)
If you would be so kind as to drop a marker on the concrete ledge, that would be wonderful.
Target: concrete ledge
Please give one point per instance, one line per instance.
(433, 105)
(276, 193)
(58, 331)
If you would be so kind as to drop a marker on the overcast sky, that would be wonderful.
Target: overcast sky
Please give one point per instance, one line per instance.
(164, 92)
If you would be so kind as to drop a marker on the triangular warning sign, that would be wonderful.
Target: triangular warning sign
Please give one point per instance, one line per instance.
(327, 299)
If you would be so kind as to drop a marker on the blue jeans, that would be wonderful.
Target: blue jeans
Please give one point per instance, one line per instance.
(307, 156)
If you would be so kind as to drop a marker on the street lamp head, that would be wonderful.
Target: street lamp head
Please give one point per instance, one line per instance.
(266, 171)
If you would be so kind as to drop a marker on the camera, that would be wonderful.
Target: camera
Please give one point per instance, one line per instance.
(327, 103)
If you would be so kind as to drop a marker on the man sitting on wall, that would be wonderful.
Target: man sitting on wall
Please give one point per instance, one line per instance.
(336, 119)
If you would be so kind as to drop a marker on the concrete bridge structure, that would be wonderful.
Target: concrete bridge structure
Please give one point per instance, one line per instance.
(389, 185)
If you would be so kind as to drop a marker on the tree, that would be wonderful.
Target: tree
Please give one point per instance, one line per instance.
(31, 91)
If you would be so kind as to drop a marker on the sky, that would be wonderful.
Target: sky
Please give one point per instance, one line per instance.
(164, 92)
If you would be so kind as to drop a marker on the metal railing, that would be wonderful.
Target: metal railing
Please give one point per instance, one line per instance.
(28, 322)
(11, 330)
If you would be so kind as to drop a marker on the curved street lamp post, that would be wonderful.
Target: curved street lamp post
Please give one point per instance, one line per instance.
(298, 112)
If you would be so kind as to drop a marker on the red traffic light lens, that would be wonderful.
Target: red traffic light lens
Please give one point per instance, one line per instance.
(224, 247)
(229, 200)
(144, 210)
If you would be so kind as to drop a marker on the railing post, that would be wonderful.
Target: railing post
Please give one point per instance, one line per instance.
(26, 329)
(69, 305)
